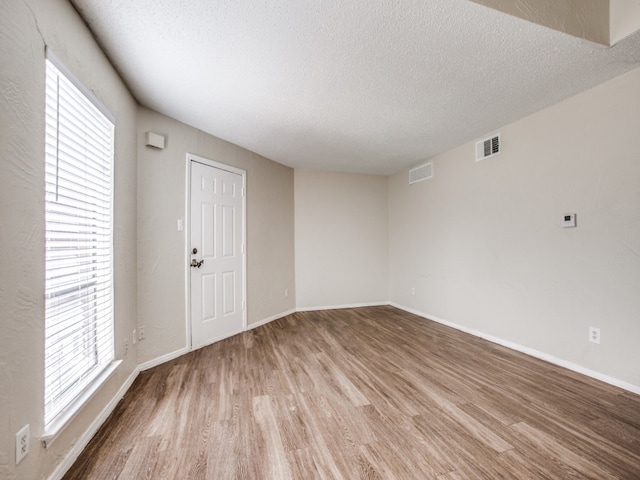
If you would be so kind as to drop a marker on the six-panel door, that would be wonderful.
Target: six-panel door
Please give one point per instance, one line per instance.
(216, 236)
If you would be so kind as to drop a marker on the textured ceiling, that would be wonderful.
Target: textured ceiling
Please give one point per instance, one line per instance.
(368, 86)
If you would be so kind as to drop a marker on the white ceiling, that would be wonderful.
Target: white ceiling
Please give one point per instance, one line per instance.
(370, 86)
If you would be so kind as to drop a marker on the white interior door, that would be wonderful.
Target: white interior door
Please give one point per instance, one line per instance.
(217, 251)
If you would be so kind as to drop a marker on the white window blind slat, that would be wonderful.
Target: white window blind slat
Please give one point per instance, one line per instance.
(98, 227)
(65, 163)
(72, 298)
(83, 178)
(79, 341)
(89, 335)
(69, 146)
(63, 330)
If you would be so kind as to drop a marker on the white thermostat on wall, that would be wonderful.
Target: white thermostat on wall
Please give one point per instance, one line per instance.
(569, 220)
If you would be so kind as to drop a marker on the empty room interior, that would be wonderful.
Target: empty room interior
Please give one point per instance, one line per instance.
(343, 239)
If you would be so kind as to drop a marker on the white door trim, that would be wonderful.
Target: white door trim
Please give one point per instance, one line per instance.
(187, 235)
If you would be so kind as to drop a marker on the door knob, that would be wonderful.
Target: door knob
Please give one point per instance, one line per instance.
(196, 264)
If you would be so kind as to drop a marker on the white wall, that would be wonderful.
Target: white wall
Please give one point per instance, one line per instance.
(341, 247)
(482, 245)
(25, 28)
(624, 19)
(161, 247)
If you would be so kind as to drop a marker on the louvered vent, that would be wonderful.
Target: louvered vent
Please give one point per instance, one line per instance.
(488, 147)
(423, 172)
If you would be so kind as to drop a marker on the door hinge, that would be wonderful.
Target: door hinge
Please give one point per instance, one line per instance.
(243, 305)
(242, 248)
(242, 192)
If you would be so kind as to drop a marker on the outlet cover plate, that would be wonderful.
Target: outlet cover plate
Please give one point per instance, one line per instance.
(22, 443)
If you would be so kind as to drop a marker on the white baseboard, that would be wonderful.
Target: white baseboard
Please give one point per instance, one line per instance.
(162, 359)
(338, 307)
(86, 437)
(270, 319)
(528, 351)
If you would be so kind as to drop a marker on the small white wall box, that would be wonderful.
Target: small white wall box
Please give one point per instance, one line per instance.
(569, 220)
(154, 140)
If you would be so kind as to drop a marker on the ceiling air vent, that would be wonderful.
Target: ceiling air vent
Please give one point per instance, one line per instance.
(423, 172)
(488, 147)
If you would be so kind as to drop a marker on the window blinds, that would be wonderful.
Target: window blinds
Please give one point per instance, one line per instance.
(78, 205)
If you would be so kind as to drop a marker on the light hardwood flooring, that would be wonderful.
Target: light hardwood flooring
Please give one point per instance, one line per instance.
(369, 393)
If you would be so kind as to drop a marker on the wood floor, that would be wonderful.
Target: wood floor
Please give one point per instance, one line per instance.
(370, 393)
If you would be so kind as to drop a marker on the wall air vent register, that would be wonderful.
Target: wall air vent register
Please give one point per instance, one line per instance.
(489, 147)
(423, 172)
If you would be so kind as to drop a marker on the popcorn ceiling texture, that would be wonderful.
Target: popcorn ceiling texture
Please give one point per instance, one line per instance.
(364, 86)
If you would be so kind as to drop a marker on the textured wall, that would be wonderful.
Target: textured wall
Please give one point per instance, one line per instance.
(25, 28)
(482, 244)
(625, 19)
(341, 239)
(161, 248)
(588, 19)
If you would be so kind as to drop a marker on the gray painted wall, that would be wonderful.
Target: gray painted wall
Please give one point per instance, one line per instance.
(482, 244)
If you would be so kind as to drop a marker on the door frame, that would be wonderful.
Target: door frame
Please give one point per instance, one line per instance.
(187, 240)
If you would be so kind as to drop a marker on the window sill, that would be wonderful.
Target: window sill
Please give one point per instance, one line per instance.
(54, 429)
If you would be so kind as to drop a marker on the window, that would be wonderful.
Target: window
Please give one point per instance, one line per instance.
(78, 239)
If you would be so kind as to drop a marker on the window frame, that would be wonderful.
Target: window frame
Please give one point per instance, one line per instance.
(56, 419)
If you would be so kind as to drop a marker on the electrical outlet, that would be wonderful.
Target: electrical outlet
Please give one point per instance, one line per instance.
(594, 335)
(286, 293)
(22, 443)
(134, 337)
(141, 333)
(126, 347)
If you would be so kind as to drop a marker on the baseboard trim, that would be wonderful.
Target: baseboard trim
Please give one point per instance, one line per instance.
(339, 307)
(86, 437)
(270, 319)
(162, 359)
(528, 351)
